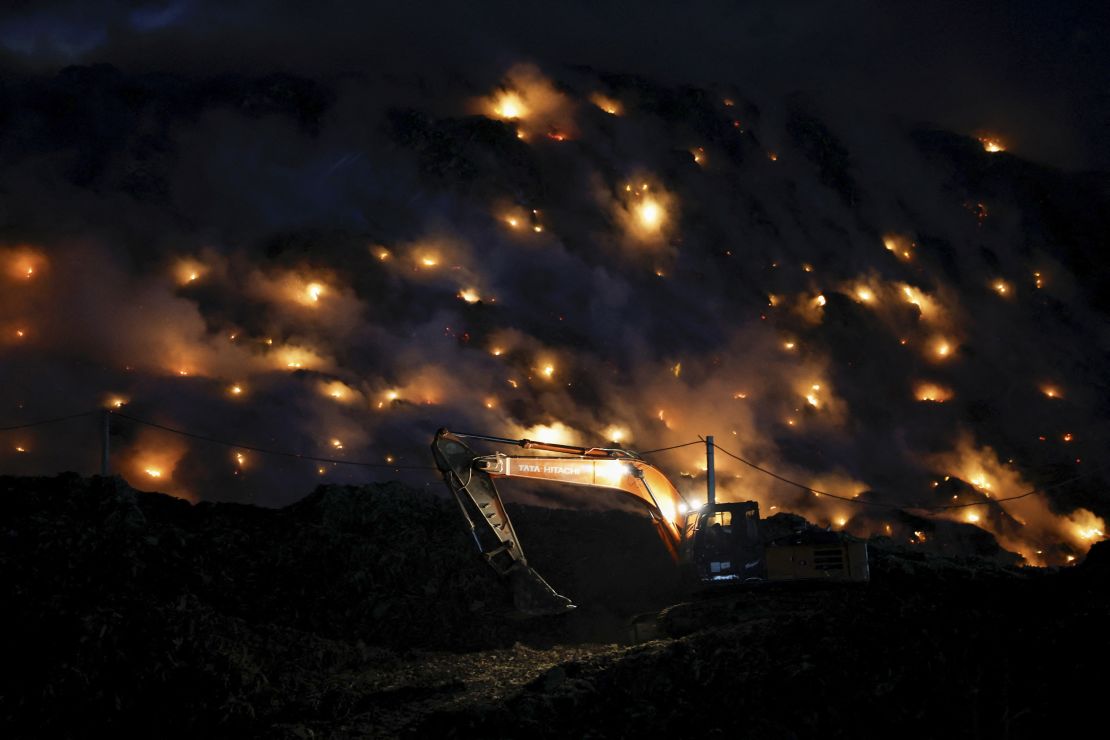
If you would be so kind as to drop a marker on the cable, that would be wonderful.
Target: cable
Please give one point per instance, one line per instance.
(672, 447)
(265, 451)
(43, 422)
(930, 507)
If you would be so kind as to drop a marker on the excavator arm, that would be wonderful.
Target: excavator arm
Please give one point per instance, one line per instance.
(470, 476)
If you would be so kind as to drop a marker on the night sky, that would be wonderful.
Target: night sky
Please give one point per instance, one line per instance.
(863, 245)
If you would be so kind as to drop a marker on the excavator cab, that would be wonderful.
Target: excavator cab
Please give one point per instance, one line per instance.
(721, 542)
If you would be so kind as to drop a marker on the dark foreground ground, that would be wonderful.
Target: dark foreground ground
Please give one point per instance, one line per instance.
(366, 613)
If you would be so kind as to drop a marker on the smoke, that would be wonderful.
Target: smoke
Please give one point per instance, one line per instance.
(338, 262)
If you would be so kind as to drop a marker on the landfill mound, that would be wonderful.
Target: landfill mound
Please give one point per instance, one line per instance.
(364, 612)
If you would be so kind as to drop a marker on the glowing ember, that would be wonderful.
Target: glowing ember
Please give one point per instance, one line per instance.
(699, 155)
(772, 156)
(1052, 391)
(189, 270)
(942, 348)
(932, 392)
(992, 144)
(1067, 437)
(607, 104)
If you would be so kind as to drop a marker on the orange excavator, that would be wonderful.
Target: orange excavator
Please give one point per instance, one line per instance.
(713, 543)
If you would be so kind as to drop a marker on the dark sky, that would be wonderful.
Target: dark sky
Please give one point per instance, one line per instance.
(1037, 70)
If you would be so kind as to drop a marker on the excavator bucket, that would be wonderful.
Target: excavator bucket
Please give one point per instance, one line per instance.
(491, 528)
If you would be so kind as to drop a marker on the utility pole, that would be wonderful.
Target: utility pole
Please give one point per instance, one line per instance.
(711, 478)
(105, 441)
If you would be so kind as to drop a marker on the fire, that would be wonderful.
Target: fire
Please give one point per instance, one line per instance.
(427, 259)
(788, 346)
(972, 518)
(337, 444)
(812, 398)
(865, 294)
(189, 270)
(292, 357)
(606, 103)
(313, 291)
(615, 433)
(932, 392)
(23, 263)
(942, 348)
(548, 371)
(1001, 287)
(509, 106)
(650, 214)
(698, 153)
(900, 246)
(469, 295)
(116, 402)
(1051, 391)
(235, 390)
(820, 300)
(338, 391)
(992, 144)
(555, 433)
(921, 299)
(382, 254)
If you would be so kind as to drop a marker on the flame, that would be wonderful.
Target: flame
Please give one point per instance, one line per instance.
(650, 214)
(992, 144)
(313, 291)
(189, 270)
(615, 433)
(555, 433)
(338, 391)
(508, 105)
(606, 103)
(932, 392)
(548, 371)
(23, 263)
(942, 348)
(901, 246)
(1051, 391)
(924, 302)
(865, 294)
(469, 295)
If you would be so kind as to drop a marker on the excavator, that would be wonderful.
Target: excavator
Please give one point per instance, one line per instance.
(713, 544)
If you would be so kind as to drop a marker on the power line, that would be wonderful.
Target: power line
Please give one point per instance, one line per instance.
(672, 447)
(931, 507)
(44, 422)
(265, 451)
